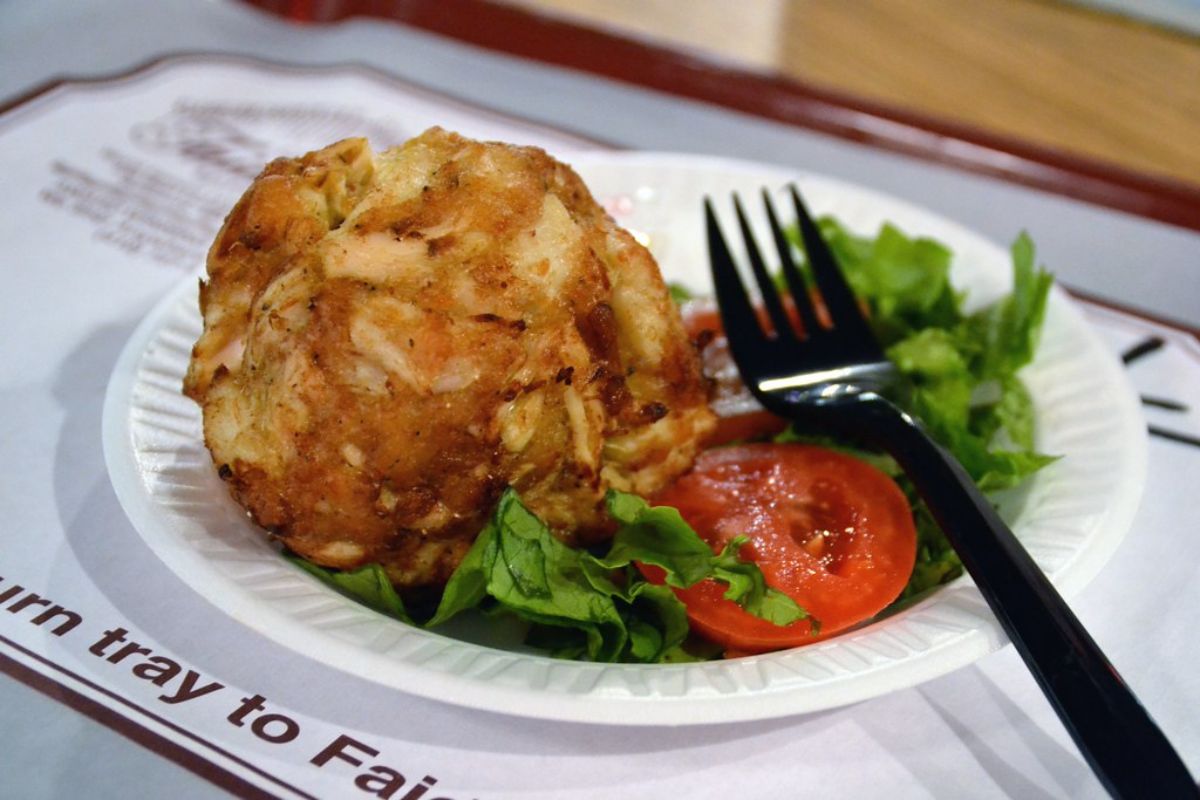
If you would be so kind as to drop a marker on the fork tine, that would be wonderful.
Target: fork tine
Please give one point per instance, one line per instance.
(839, 300)
(766, 286)
(737, 313)
(804, 307)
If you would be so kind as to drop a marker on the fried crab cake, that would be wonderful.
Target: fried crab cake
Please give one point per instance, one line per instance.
(391, 339)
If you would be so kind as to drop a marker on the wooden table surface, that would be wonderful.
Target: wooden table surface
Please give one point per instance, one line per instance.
(1085, 82)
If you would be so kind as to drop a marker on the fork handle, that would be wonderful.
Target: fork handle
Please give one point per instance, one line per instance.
(1123, 745)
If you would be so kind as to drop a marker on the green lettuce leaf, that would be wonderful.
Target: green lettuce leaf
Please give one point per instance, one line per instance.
(658, 535)
(1004, 335)
(468, 584)
(368, 585)
(929, 354)
(962, 369)
(936, 562)
(905, 281)
(533, 575)
(600, 607)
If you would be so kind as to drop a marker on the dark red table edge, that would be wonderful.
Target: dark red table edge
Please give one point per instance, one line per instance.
(551, 40)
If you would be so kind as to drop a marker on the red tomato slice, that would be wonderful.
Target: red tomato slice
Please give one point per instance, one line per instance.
(829, 530)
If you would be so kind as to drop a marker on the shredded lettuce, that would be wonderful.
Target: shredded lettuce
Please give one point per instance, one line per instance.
(368, 585)
(580, 605)
(962, 368)
(658, 535)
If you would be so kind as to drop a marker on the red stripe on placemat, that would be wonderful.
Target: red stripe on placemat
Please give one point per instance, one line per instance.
(554, 41)
(118, 722)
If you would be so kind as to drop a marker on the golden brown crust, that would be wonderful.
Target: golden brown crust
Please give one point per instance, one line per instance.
(390, 340)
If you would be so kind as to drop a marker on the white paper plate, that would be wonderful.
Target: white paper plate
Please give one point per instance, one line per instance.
(1071, 516)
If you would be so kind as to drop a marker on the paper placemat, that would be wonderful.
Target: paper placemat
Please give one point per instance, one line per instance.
(114, 190)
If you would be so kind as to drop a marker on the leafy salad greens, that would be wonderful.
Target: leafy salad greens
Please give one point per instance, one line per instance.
(579, 604)
(962, 368)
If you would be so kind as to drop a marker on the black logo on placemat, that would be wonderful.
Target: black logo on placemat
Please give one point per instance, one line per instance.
(1142, 349)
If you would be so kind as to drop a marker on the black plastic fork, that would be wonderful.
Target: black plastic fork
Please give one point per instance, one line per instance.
(835, 378)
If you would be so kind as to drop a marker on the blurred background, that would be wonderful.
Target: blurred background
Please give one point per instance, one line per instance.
(1093, 104)
(1114, 80)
